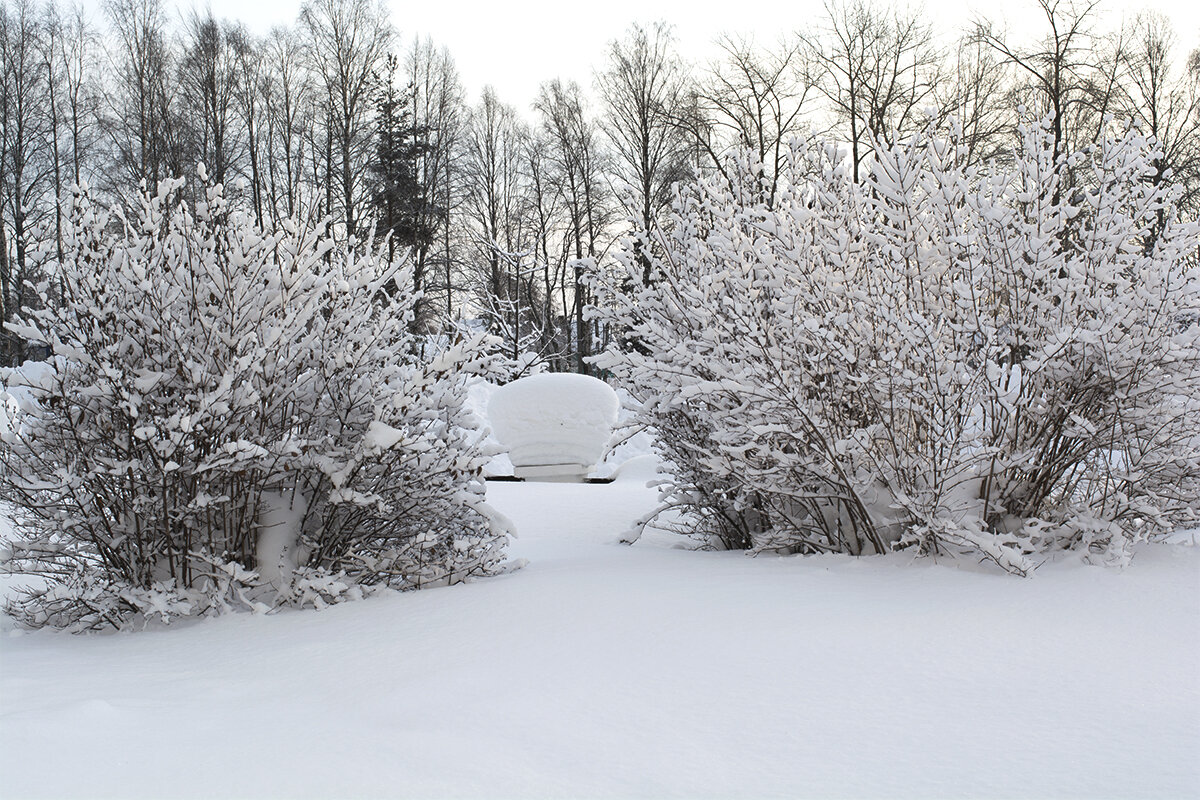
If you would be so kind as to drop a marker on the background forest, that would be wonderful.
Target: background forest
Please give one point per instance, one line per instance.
(507, 210)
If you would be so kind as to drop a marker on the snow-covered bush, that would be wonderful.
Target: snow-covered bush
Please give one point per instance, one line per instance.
(984, 359)
(234, 416)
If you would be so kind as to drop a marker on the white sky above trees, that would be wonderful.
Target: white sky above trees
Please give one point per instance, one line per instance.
(515, 46)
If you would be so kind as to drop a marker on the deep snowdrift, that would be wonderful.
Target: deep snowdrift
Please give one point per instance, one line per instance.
(605, 670)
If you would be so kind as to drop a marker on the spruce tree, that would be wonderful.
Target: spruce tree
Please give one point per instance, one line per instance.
(402, 210)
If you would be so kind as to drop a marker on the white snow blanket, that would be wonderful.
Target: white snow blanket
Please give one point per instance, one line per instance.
(603, 671)
(554, 424)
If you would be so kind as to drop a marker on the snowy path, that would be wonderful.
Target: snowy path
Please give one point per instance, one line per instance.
(604, 670)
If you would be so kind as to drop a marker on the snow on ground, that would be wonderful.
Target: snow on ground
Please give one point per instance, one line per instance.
(645, 671)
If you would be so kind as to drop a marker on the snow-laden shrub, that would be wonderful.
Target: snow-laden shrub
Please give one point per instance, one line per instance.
(231, 411)
(987, 359)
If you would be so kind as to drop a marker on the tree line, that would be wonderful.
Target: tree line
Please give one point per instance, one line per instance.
(505, 213)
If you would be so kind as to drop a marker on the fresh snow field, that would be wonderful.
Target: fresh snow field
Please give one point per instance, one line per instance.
(647, 671)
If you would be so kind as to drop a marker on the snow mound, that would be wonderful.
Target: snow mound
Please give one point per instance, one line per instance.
(640, 469)
(555, 426)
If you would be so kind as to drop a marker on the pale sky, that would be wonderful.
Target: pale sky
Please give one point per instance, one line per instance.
(515, 46)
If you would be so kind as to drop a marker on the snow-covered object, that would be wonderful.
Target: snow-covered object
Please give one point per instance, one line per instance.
(555, 426)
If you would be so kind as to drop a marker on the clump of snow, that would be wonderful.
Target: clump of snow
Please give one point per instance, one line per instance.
(22, 383)
(554, 425)
(9, 409)
(630, 440)
(18, 389)
(639, 469)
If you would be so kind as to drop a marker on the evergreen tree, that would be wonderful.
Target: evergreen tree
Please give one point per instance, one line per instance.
(401, 205)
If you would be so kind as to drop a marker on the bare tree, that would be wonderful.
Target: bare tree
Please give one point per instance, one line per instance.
(436, 104)
(1060, 71)
(550, 253)
(578, 177)
(755, 100)
(1165, 103)
(68, 52)
(348, 42)
(210, 82)
(53, 32)
(643, 91)
(250, 105)
(876, 69)
(976, 94)
(26, 156)
(289, 99)
(492, 149)
(73, 57)
(142, 119)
